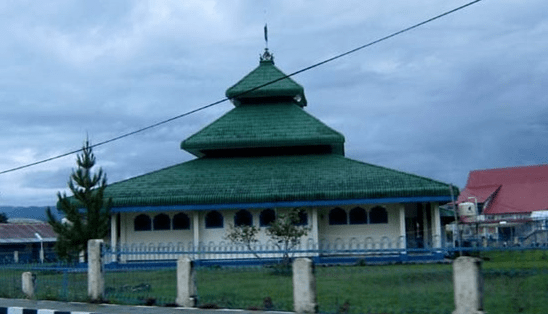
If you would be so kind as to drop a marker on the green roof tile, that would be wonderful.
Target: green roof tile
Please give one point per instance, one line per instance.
(266, 125)
(265, 73)
(269, 179)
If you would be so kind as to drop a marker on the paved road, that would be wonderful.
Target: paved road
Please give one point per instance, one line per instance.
(114, 309)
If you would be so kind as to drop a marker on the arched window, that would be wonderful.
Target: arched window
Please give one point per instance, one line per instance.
(267, 217)
(214, 219)
(243, 218)
(303, 218)
(378, 215)
(337, 216)
(181, 222)
(161, 222)
(142, 223)
(357, 216)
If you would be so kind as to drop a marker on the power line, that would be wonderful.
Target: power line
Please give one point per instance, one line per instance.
(248, 91)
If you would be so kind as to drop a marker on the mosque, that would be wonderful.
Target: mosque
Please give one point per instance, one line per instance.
(265, 156)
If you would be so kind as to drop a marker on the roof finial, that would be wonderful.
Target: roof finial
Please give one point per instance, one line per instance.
(267, 56)
(266, 35)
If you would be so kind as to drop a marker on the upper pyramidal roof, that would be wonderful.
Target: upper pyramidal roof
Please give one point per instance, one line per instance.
(269, 119)
(266, 81)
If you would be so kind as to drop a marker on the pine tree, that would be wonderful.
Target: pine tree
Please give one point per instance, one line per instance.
(87, 213)
(3, 218)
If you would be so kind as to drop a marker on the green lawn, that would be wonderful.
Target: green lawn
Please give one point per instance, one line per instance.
(425, 288)
(386, 289)
(141, 286)
(245, 288)
(515, 282)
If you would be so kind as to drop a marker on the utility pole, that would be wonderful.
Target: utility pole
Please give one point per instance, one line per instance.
(456, 218)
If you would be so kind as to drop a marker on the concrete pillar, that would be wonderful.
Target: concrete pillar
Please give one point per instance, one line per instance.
(96, 283)
(425, 235)
(122, 240)
(196, 233)
(124, 222)
(186, 283)
(468, 285)
(403, 232)
(196, 229)
(436, 225)
(113, 238)
(304, 286)
(314, 230)
(28, 280)
(16, 257)
(114, 232)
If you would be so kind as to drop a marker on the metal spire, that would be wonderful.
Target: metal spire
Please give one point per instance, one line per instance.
(266, 35)
(266, 56)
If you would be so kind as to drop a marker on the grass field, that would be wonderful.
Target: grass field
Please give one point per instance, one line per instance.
(50, 284)
(515, 282)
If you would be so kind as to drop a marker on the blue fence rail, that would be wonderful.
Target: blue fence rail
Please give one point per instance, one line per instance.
(25, 255)
(324, 252)
(384, 249)
(224, 253)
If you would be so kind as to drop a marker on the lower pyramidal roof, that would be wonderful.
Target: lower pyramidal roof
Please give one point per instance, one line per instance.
(209, 182)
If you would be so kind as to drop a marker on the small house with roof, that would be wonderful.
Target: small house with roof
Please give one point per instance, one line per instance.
(507, 204)
(26, 240)
(263, 157)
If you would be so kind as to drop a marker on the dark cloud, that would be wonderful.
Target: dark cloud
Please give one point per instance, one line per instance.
(47, 179)
(462, 93)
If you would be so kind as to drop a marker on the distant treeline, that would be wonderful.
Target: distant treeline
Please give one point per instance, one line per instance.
(34, 212)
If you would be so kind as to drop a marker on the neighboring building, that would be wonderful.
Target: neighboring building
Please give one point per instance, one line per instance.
(512, 204)
(263, 157)
(26, 240)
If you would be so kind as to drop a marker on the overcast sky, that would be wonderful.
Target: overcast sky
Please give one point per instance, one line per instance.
(466, 92)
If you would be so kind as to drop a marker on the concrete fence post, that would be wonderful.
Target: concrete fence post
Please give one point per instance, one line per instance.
(304, 286)
(96, 281)
(468, 285)
(186, 283)
(28, 281)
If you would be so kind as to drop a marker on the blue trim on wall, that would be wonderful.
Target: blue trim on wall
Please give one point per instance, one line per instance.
(421, 199)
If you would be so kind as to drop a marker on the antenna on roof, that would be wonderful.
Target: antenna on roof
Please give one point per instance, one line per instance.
(266, 56)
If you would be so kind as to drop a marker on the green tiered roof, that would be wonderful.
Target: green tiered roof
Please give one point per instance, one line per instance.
(283, 87)
(208, 181)
(264, 125)
(268, 151)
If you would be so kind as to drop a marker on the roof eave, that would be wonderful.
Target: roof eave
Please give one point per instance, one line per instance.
(283, 204)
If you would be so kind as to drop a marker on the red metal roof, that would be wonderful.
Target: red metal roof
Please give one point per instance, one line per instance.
(481, 193)
(512, 190)
(14, 232)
